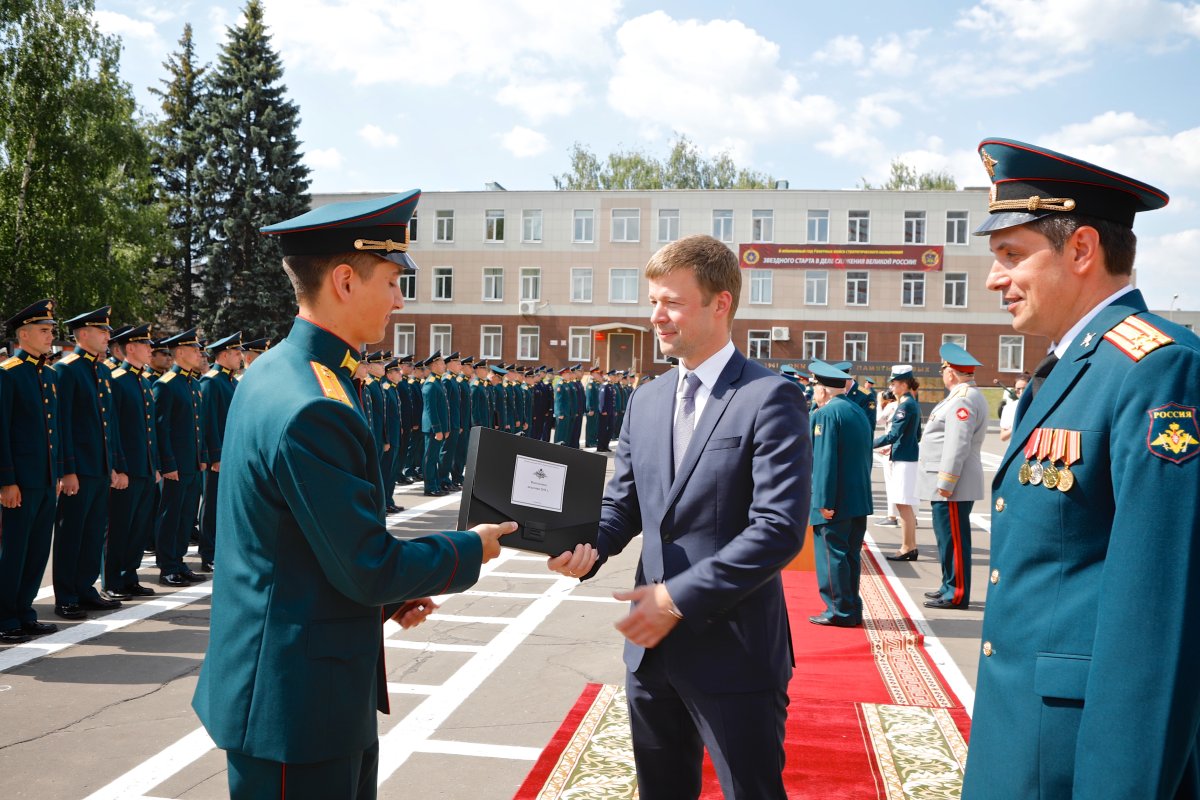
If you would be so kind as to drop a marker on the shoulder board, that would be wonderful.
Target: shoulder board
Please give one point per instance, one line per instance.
(167, 377)
(212, 373)
(118, 372)
(330, 386)
(9, 363)
(1137, 338)
(69, 358)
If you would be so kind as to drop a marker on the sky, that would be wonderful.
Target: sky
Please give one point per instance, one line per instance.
(452, 94)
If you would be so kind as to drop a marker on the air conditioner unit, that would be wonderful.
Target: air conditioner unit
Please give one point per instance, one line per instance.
(529, 307)
(780, 334)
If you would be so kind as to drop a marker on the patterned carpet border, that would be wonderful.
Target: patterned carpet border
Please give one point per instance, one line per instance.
(920, 752)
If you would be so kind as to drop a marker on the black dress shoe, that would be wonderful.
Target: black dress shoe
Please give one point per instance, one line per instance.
(178, 581)
(406, 480)
(117, 594)
(99, 604)
(137, 590)
(206, 566)
(69, 611)
(435, 494)
(36, 628)
(934, 594)
(946, 604)
(14, 636)
(911, 555)
(192, 577)
(392, 508)
(834, 622)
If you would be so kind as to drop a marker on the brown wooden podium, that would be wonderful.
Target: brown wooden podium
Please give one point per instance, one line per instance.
(804, 562)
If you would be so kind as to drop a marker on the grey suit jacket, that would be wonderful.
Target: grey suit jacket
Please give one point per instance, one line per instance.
(950, 446)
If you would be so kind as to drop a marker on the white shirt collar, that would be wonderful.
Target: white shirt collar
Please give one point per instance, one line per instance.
(709, 371)
(1060, 348)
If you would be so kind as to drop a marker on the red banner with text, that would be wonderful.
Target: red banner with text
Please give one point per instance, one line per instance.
(913, 257)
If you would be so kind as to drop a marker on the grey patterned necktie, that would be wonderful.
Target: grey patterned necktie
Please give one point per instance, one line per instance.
(685, 420)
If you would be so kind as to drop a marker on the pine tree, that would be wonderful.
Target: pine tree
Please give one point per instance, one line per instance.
(251, 176)
(178, 155)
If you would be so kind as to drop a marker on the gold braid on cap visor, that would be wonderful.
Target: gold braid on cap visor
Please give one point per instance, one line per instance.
(387, 245)
(1032, 204)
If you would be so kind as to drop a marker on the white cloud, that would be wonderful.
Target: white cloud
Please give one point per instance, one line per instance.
(1162, 262)
(420, 43)
(1079, 26)
(1105, 127)
(1134, 147)
(541, 99)
(218, 21)
(715, 82)
(329, 158)
(895, 55)
(377, 136)
(524, 142)
(841, 50)
(127, 28)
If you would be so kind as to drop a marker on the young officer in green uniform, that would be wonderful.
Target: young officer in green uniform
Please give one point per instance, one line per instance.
(1089, 679)
(841, 496)
(449, 379)
(216, 393)
(435, 424)
(131, 510)
(307, 570)
(29, 470)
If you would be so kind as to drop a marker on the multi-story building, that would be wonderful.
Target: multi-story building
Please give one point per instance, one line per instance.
(555, 277)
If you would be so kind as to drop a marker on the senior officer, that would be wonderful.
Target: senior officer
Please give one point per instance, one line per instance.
(29, 470)
(951, 475)
(1089, 685)
(294, 670)
(841, 495)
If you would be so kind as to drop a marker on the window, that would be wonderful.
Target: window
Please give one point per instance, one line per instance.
(580, 345)
(626, 225)
(855, 347)
(440, 339)
(668, 224)
(623, 286)
(723, 224)
(914, 227)
(762, 225)
(761, 285)
(528, 342)
(531, 283)
(584, 229)
(959, 339)
(816, 287)
(814, 345)
(912, 348)
(859, 227)
(531, 225)
(493, 225)
(1012, 354)
(445, 227)
(956, 290)
(412, 227)
(956, 227)
(491, 341)
(404, 340)
(818, 226)
(758, 344)
(408, 286)
(493, 283)
(659, 358)
(858, 288)
(443, 283)
(913, 291)
(581, 285)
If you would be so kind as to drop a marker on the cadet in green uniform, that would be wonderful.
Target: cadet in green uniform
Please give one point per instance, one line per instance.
(591, 400)
(182, 458)
(92, 464)
(951, 475)
(216, 393)
(449, 379)
(1089, 679)
(29, 469)
(481, 403)
(131, 510)
(395, 432)
(841, 496)
(463, 383)
(295, 668)
(435, 424)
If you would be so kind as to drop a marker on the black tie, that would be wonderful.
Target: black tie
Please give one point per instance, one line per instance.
(1041, 373)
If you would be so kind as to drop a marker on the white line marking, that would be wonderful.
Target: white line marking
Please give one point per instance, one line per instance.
(507, 751)
(982, 521)
(937, 651)
(158, 768)
(514, 595)
(126, 615)
(410, 688)
(467, 618)
(586, 598)
(548, 576)
(432, 647)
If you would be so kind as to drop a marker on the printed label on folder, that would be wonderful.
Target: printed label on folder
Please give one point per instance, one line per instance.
(539, 484)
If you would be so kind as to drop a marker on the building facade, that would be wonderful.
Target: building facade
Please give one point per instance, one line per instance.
(555, 277)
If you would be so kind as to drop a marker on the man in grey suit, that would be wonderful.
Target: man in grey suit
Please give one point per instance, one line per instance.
(713, 468)
(951, 475)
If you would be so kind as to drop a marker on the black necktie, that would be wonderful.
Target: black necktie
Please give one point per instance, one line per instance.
(1041, 372)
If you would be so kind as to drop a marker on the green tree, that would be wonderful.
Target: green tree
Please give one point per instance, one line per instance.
(179, 146)
(683, 168)
(251, 176)
(906, 179)
(78, 220)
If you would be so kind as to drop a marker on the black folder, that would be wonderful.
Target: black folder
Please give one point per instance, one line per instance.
(517, 478)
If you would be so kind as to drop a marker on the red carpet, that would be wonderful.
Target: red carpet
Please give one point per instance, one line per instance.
(856, 695)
